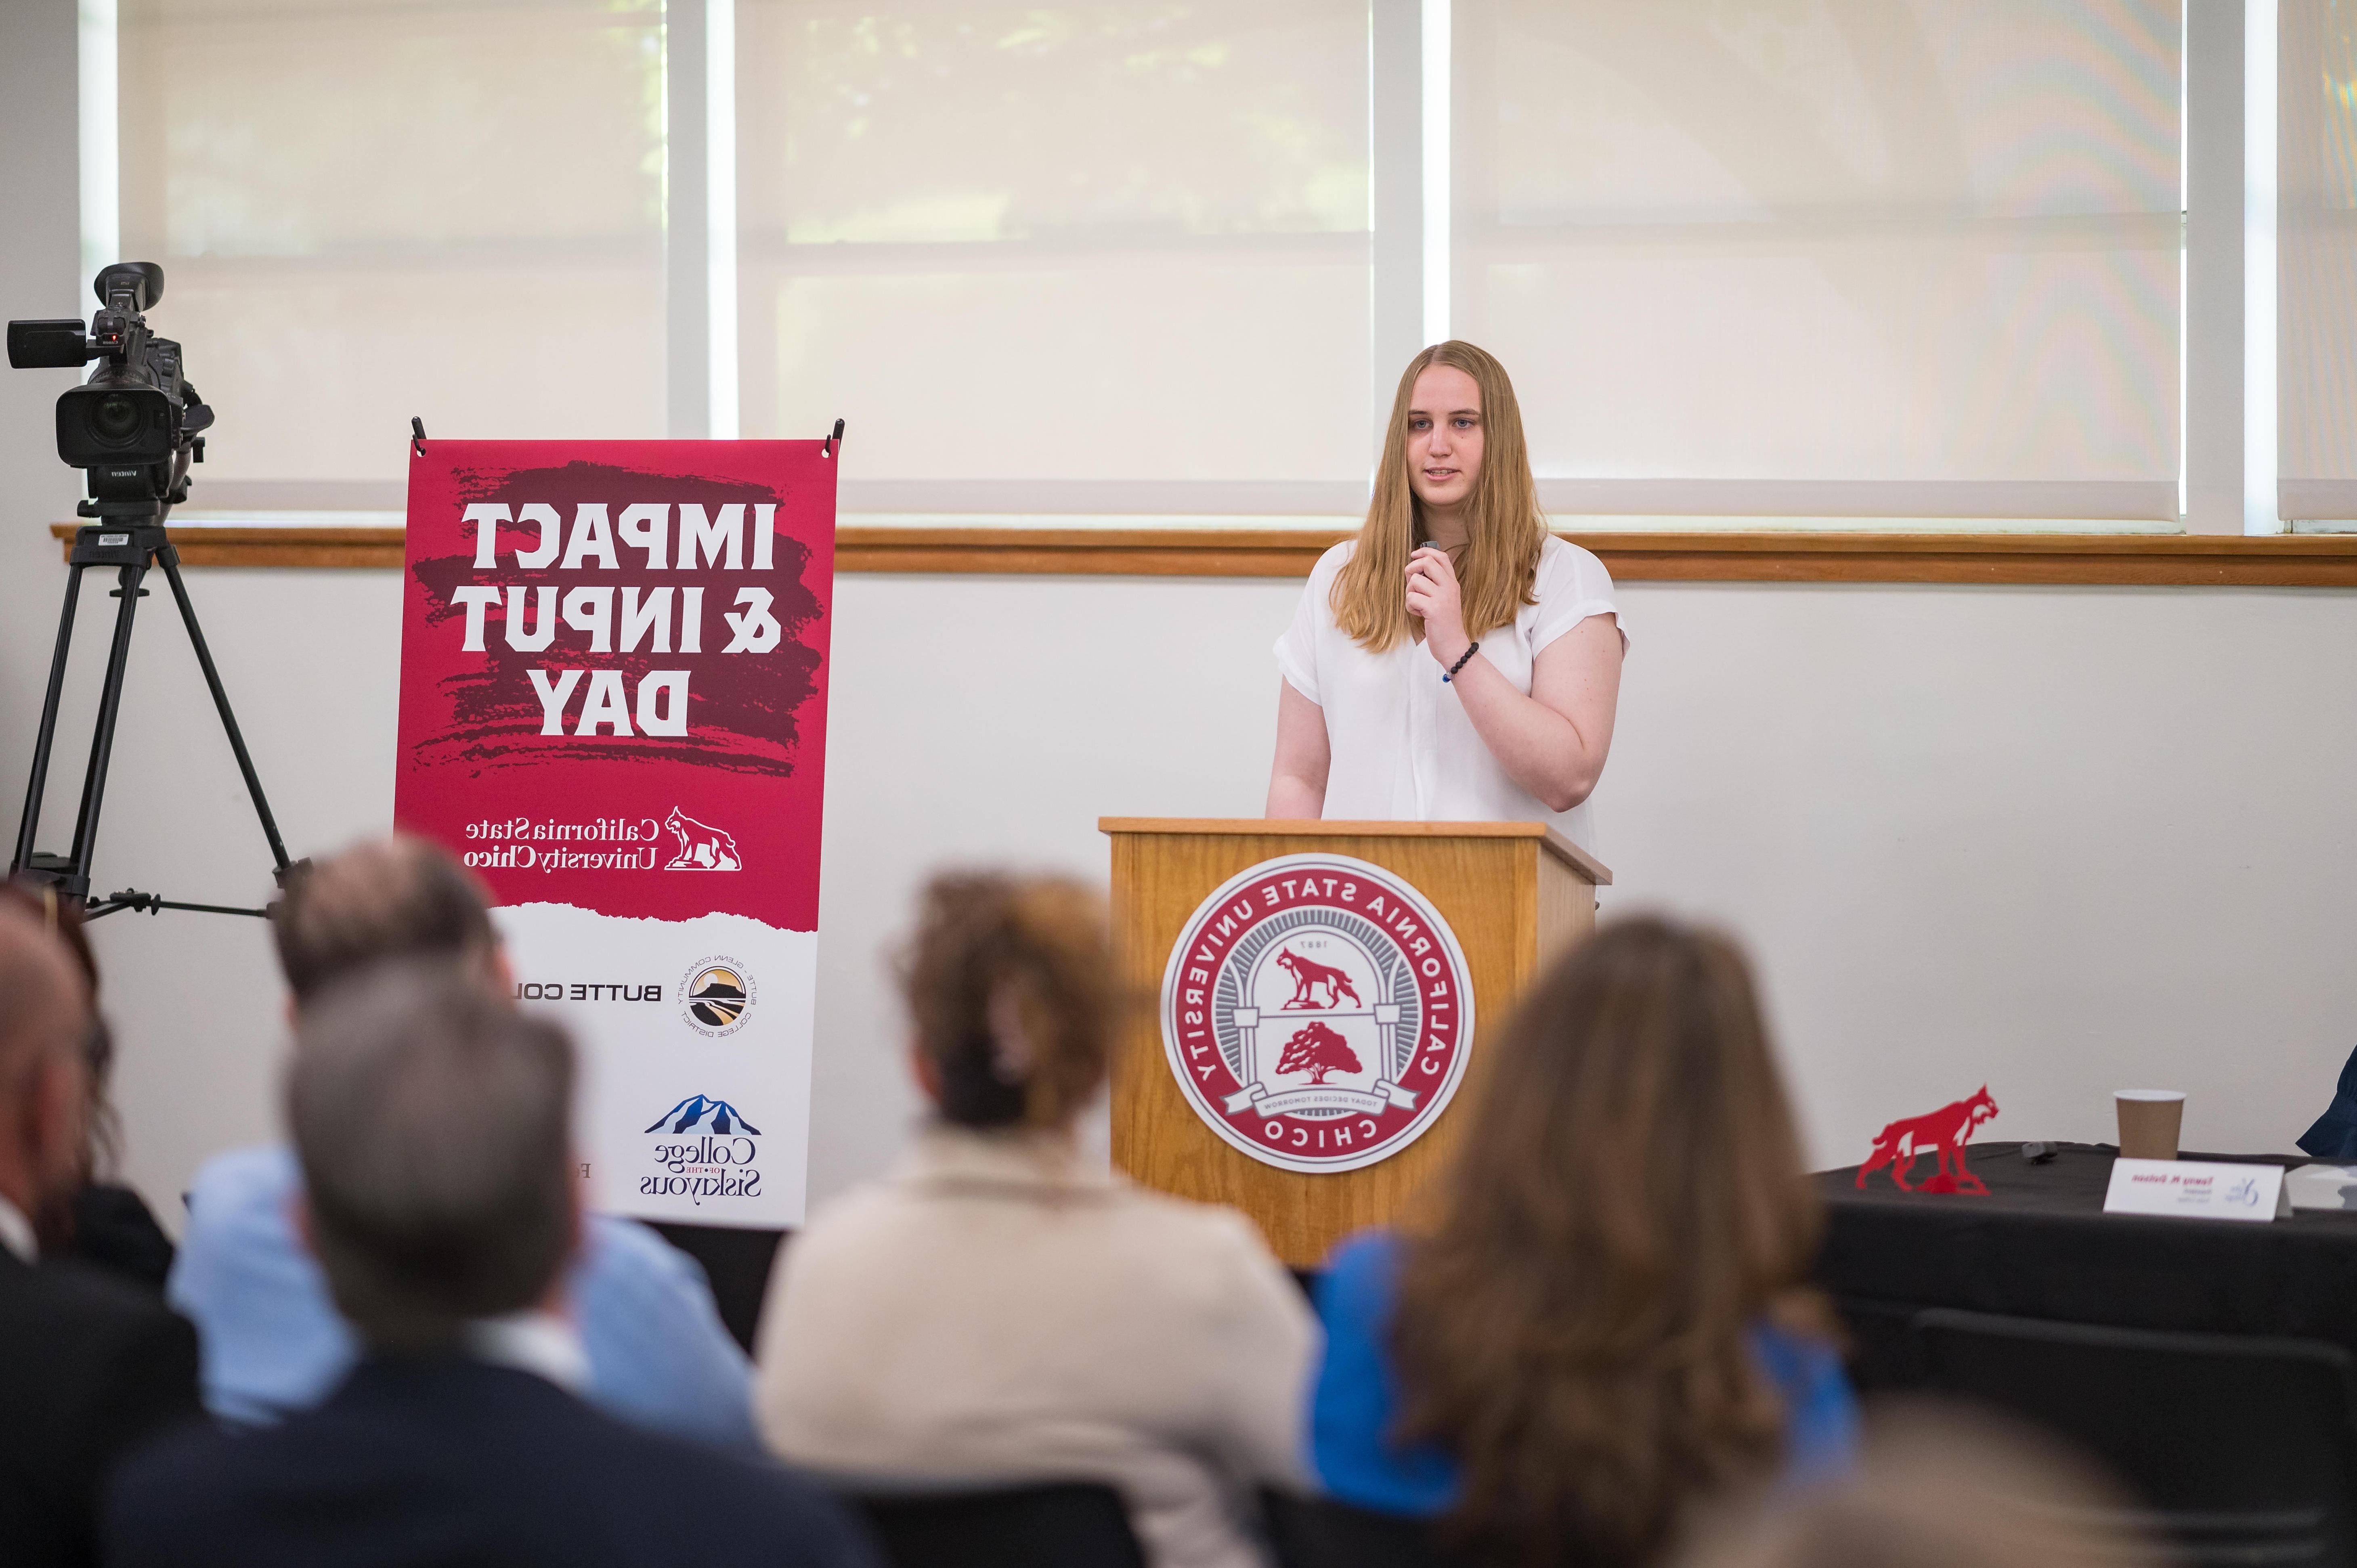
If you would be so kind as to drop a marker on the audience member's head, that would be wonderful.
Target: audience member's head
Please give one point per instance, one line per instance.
(384, 899)
(44, 1076)
(433, 1126)
(1625, 1204)
(1941, 1488)
(1009, 983)
(63, 917)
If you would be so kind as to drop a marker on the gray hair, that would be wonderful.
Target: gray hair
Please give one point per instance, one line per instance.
(434, 1127)
(402, 897)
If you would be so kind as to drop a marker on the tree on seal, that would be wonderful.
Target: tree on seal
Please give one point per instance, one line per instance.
(1317, 1050)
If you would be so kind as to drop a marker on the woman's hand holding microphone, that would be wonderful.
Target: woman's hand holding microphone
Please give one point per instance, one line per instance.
(1432, 597)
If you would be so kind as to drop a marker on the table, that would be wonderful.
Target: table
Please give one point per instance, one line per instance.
(2040, 1245)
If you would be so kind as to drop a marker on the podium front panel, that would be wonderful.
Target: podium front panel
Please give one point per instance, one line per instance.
(1508, 897)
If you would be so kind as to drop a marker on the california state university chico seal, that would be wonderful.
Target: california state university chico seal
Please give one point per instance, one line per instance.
(1317, 1013)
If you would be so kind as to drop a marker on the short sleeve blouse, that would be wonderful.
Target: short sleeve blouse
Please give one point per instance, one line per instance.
(1401, 746)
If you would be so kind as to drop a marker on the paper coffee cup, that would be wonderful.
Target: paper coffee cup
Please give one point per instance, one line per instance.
(2150, 1119)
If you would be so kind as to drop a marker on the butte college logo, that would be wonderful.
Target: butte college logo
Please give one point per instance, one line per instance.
(1317, 1013)
(716, 994)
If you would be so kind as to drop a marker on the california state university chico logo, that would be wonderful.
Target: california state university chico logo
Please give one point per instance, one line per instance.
(702, 846)
(1317, 1013)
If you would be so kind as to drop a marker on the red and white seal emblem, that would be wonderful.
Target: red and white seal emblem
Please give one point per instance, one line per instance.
(1317, 1013)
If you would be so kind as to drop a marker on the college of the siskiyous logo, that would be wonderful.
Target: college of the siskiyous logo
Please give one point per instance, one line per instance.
(1317, 1013)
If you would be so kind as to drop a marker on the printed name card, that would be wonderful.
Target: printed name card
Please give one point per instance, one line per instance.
(2195, 1189)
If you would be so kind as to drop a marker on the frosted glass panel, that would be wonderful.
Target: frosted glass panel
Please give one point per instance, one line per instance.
(1012, 242)
(2317, 259)
(1764, 244)
(368, 209)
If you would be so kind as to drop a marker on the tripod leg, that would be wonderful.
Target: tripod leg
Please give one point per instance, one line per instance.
(102, 740)
(31, 824)
(169, 559)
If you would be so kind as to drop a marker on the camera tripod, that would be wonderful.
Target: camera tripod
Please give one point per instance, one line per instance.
(128, 536)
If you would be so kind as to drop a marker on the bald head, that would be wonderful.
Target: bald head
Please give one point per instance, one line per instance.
(44, 1005)
(44, 1014)
(398, 897)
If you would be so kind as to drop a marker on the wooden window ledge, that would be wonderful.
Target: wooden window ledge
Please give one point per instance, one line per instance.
(2301, 560)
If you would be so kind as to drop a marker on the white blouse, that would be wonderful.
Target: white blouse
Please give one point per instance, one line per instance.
(1401, 749)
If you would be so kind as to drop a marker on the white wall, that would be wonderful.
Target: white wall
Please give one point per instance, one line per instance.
(2058, 840)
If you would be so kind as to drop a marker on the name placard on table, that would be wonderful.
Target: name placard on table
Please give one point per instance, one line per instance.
(2197, 1189)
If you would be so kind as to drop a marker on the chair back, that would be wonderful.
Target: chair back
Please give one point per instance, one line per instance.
(2244, 1448)
(1319, 1532)
(1054, 1524)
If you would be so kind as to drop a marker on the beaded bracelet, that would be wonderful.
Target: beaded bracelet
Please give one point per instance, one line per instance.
(1450, 675)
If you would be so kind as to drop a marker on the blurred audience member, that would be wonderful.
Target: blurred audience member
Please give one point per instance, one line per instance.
(1941, 1488)
(101, 1221)
(88, 1365)
(659, 1354)
(1601, 1316)
(435, 1129)
(1002, 1308)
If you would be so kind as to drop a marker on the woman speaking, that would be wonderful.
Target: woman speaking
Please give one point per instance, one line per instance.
(1456, 661)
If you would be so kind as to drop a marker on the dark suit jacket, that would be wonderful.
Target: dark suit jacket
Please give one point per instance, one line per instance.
(89, 1367)
(115, 1229)
(451, 1462)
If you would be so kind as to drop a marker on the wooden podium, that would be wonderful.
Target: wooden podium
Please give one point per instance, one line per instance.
(1513, 893)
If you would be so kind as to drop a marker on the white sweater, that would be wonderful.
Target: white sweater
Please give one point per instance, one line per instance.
(993, 1311)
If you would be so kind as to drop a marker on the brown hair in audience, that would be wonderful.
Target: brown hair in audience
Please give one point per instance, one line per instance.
(1009, 983)
(1498, 573)
(1628, 1201)
(1941, 1489)
(392, 898)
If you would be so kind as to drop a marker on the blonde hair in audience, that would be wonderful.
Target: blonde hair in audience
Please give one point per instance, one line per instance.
(1628, 1202)
(1009, 984)
(1497, 573)
(1941, 1488)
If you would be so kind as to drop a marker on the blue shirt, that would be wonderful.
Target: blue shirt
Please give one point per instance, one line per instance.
(1357, 1399)
(272, 1344)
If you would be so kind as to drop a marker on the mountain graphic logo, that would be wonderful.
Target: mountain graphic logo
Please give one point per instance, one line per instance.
(696, 1111)
(718, 995)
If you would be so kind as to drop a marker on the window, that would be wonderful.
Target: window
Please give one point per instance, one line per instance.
(1045, 257)
(1881, 260)
(1803, 259)
(369, 210)
(2317, 258)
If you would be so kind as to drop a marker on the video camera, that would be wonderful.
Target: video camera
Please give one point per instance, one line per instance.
(132, 427)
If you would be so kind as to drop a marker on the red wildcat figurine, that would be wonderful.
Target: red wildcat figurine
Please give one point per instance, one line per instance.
(1945, 1131)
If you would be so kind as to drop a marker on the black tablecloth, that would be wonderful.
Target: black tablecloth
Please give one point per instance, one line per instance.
(2040, 1245)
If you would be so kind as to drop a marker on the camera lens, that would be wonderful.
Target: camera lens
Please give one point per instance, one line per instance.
(115, 418)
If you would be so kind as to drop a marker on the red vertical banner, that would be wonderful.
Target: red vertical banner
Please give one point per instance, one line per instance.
(613, 706)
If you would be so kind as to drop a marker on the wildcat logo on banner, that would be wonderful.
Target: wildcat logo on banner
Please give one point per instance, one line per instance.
(613, 670)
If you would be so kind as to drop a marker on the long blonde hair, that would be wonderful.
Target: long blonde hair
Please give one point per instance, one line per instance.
(1504, 528)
